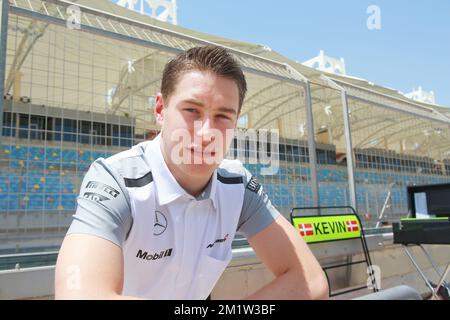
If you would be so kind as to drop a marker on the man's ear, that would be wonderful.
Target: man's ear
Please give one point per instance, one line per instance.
(159, 109)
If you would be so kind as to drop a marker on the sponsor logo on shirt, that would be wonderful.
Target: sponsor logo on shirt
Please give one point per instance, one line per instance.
(145, 256)
(253, 185)
(95, 196)
(103, 187)
(218, 241)
(160, 223)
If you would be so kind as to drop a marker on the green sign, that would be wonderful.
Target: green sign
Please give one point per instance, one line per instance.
(423, 219)
(315, 229)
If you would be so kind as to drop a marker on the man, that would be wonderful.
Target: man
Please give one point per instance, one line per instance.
(157, 221)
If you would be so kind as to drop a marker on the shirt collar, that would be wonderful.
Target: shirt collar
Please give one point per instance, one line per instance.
(210, 190)
(167, 186)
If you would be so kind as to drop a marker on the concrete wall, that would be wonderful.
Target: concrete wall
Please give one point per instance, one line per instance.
(27, 283)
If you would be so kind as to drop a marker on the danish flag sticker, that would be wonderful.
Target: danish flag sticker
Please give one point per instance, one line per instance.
(352, 225)
(306, 229)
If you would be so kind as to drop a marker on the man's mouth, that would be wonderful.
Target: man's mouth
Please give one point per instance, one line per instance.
(201, 153)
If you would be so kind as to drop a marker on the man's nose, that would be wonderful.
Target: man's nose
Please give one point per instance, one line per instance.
(204, 130)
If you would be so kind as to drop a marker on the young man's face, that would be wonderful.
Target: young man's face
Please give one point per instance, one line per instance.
(198, 122)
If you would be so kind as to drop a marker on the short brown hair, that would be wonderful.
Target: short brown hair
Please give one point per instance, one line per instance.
(211, 58)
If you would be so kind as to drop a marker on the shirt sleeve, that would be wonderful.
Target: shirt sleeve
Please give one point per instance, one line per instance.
(257, 209)
(103, 208)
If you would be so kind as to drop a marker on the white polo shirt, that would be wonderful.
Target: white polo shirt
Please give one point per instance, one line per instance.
(175, 246)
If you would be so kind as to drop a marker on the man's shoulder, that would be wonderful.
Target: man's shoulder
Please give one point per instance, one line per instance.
(234, 170)
(130, 163)
(135, 151)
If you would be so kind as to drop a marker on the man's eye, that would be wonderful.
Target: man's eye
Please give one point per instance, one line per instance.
(190, 110)
(222, 116)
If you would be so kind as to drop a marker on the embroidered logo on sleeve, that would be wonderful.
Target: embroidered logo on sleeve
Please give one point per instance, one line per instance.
(110, 191)
(95, 196)
(253, 185)
(103, 187)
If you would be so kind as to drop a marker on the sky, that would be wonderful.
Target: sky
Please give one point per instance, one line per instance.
(411, 48)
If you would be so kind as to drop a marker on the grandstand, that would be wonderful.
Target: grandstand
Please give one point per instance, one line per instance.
(71, 96)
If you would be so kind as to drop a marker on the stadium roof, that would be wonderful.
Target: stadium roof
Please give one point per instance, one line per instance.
(255, 49)
(275, 99)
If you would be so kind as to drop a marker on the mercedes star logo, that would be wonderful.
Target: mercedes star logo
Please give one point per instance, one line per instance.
(160, 223)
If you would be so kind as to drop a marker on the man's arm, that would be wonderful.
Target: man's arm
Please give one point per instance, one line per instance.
(89, 267)
(90, 261)
(280, 247)
(285, 253)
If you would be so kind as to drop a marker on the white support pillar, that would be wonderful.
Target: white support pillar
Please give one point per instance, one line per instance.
(311, 145)
(348, 141)
(4, 10)
(349, 150)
